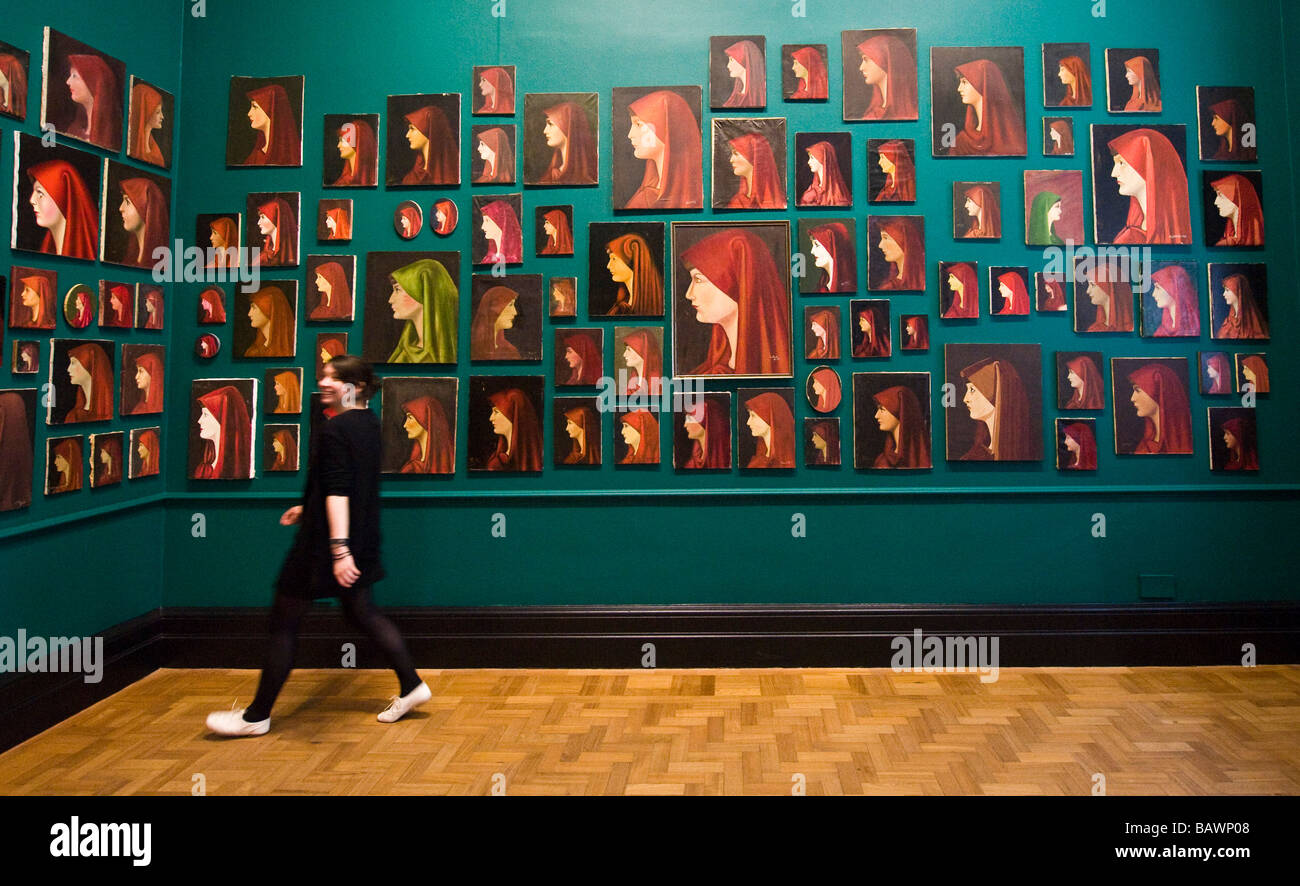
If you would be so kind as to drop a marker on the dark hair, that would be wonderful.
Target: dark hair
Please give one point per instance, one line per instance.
(356, 372)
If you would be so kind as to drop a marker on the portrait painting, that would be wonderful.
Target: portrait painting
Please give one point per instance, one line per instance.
(821, 332)
(870, 327)
(823, 169)
(506, 316)
(17, 447)
(333, 220)
(891, 421)
(81, 92)
(1238, 301)
(1008, 291)
(639, 362)
(1234, 442)
(422, 143)
(1076, 444)
(26, 357)
(150, 122)
(408, 219)
(82, 376)
(563, 297)
(1050, 293)
(146, 452)
(328, 346)
(79, 306)
(737, 72)
(999, 416)
(494, 90)
(976, 210)
(1080, 383)
(804, 72)
(1054, 214)
(150, 306)
(1252, 373)
(1152, 410)
(418, 425)
(914, 330)
(280, 450)
(553, 230)
(350, 151)
(823, 389)
(15, 72)
(879, 74)
(891, 170)
(266, 323)
(1103, 297)
(274, 217)
(1133, 81)
(33, 297)
(749, 163)
(828, 249)
(658, 161)
(56, 199)
(144, 379)
(767, 441)
(106, 458)
(1171, 303)
(579, 356)
(412, 307)
(1226, 123)
(636, 438)
(331, 284)
(265, 121)
(896, 253)
(821, 442)
(136, 220)
(959, 290)
(222, 430)
(1139, 185)
(625, 275)
(207, 346)
(65, 464)
(492, 159)
(1067, 75)
(1234, 208)
(220, 235)
(702, 434)
(732, 307)
(283, 387)
(576, 432)
(561, 146)
(977, 101)
(116, 304)
(504, 423)
(1215, 373)
(1058, 137)
(498, 236)
(212, 306)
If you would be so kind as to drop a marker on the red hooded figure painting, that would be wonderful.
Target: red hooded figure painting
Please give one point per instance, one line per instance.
(146, 116)
(828, 187)
(665, 133)
(90, 370)
(359, 150)
(1080, 442)
(272, 319)
(633, 265)
(97, 92)
(639, 431)
(760, 185)
(833, 254)
(746, 65)
(569, 135)
(1014, 294)
(1086, 386)
(808, 63)
(961, 291)
(145, 217)
(495, 147)
(1111, 297)
(995, 120)
(279, 135)
(981, 218)
(1074, 75)
(497, 87)
(1237, 202)
(1236, 447)
(906, 426)
(1174, 293)
(277, 222)
(887, 66)
(1140, 74)
(65, 207)
(432, 443)
(1149, 171)
(503, 238)
(643, 359)
(579, 355)
(898, 251)
(1159, 396)
(32, 304)
(708, 431)
(998, 403)
(822, 338)
(559, 233)
(149, 382)
(226, 432)
(894, 159)
(582, 427)
(771, 423)
(13, 84)
(437, 153)
(335, 293)
(1244, 317)
(519, 434)
(1224, 137)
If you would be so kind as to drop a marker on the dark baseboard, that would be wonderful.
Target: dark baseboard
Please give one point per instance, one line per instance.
(684, 636)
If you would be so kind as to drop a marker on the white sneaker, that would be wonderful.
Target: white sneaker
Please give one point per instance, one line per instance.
(399, 706)
(233, 723)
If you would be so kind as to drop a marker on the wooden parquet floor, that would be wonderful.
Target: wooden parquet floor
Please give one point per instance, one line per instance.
(1216, 731)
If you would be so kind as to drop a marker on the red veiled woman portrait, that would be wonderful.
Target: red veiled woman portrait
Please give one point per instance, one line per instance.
(889, 70)
(65, 207)
(1244, 319)
(1215, 368)
(582, 425)
(985, 212)
(580, 359)
(279, 228)
(498, 90)
(824, 391)
(1240, 442)
(1255, 371)
(1073, 73)
(408, 220)
(514, 421)
(13, 87)
(823, 336)
(1149, 171)
(284, 444)
(106, 460)
(828, 187)
(907, 432)
(634, 267)
(1227, 119)
(94, 88)
(737, 287)
(1081, 443)
(226, 431)
(359, 150)
(146, 116)
(1086, 383)
(498, 156)
(437, 159)
(146, 450)
(335, 293)
(895, 161)
(995, 122)
(338, 224)
(1141, 75)
(223, 237)
(444, 217)
(559, 234)
(754, 164)
(212, 306)
(963, 286)
(1061, 136)
(916, 332)
(91, 372)
(501, 233)
(496, 313)
(33, 308)
(640, 433)
(1160, 399)
(771, 423)
(145, 218)
(1238, 202)
(279, 138)
(644, 361)
(833, 253)
(119, 306)
(432, 445)
(747, 67)
(271, 317)
(1112, 296)
(872, 335)
(824, 437)
(1051, 295)
(902, 246)
(809, 67)
(665, 133)
(67, 458)
(708, 427)
(152, 304)
(568, 134)
(1174, 293)
(1015, 295)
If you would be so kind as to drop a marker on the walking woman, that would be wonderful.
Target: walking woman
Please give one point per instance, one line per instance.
(336, 551)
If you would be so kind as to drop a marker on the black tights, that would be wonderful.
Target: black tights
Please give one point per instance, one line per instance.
(360, 611)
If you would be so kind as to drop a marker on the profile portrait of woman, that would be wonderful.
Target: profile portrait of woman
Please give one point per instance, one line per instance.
(906, 429)
(895, 161)
(985, 211)
(825, 439)
(424, 296)
(824, 392)
(408, 220)
(564, 297)
(496, 313)
(432, 443)
(643, 359)
(338, 224)
(1086, 384)
(153, 308)
(1044, 213)
(1081, 443)
(1240, 442)
(1015, 295)
(359, 150)
(1216, 373)
(288, 393)
(809, 68)
(498, 157)
(1174, 292)
(65, 207)
(514, 421)
(1148, 170)
(1141, 75)
(998, 404)
(27, 355)
(67, 458)
(15, 453)
(498, 90)
(1060, 135)
(754, 165)
(1160, 399)
(889, 70)
(834, 254)
(96, 92)
(279, 228)
(34, 307)
(119, 307)
(916, 333)
(329, 346)
(90, 370)
(1255, 371)
(964, 288)
(223, 239)
(708, 428)
(902, 245)
(1227, 119)
(503, 238)
(1237, 201)
(146, 450)
(1051, 293)
(212, 306)
(747, 66)
(872, 338)
(640, 433)
(995, 123)
(279, 138)
(1244, 318)
(635, 268)
(207, 346)
(226, 432)
(573, 145)
(145, 217)
(1113, 301)
(738, 289)
(771, 423)
(582, 425)
(665, 133)
(559, 234)
(437, 160)
(823, 339)
(1073, 74)
(150, 382)
(444, 217)
(828, 187)
(146, 118)
(284, 448)
(335, 293)
(13, 86)
(580, 356)
(271, 317)
(79, 307)
(108, 451)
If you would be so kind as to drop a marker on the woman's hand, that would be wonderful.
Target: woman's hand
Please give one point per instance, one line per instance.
(345, 570)
(290, 517)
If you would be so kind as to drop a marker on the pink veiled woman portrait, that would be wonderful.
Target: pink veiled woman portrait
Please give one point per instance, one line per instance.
(504, 241)
(1174, 292)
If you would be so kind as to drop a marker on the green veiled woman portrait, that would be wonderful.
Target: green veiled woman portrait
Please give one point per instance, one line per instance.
(1044, 213)
(425, 296)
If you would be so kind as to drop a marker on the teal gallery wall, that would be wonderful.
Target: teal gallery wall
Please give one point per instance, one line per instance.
(959, 533)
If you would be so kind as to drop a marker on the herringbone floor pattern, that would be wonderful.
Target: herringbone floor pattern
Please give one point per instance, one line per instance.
(869, 731)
